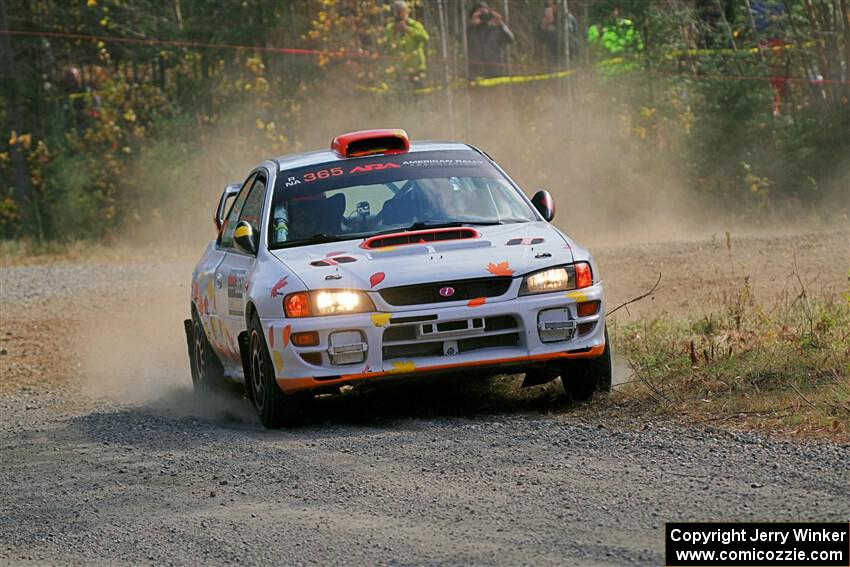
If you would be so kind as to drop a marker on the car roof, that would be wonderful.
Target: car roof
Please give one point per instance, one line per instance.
(293, 161)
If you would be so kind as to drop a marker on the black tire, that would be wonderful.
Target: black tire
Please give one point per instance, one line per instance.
(274, 408)
(584, 376)
(207, 370)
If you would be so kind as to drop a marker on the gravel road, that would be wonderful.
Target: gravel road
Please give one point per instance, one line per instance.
(108, 459)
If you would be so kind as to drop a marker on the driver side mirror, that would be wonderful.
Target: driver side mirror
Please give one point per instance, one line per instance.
(245, 237)
(230, 192)
(545, 204)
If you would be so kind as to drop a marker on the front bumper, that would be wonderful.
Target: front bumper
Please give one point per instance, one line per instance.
(497, 334)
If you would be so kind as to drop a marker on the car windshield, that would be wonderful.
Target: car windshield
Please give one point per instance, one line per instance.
(361, 197)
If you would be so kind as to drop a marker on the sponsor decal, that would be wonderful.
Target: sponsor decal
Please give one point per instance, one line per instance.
(235, 292)
(291, 181)
(322, 174)
(442, 162)
(374, 167)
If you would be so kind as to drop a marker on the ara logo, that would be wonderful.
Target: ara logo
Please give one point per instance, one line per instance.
(290, 181)
(374, 167)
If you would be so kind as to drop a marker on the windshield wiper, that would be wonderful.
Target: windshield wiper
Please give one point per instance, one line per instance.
(317, 238)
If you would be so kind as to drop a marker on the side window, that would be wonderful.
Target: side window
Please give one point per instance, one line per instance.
(226, 238)
(253, 207)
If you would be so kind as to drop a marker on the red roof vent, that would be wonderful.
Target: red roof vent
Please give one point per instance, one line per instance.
(368, 142)
(419, 237)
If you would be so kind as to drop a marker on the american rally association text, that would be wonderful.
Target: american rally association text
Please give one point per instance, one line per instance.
(727, 536)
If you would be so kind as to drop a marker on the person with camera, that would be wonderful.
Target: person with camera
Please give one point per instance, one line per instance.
(487, 36)
(405, 39)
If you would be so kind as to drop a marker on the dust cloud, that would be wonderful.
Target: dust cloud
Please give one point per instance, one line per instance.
(573, 142)
(133, 350)
(612, 173)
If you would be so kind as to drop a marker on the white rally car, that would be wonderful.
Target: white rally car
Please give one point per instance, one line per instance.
(380, 259)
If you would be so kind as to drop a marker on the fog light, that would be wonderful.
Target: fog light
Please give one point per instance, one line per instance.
(310, 338)
(555, 325)
(587, 308)
(347, 347)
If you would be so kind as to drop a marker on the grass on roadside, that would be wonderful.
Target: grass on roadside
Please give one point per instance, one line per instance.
(784, 369)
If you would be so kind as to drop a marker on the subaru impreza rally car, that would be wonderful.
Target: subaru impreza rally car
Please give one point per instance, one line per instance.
(378, 260)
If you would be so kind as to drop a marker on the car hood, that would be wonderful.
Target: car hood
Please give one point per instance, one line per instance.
(502, 250)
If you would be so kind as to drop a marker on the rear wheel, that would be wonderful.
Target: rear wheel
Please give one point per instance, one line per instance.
(275, 408)
(207, 370)
(582, 377)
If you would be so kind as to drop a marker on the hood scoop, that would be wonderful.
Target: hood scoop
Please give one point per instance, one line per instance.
(419, 237)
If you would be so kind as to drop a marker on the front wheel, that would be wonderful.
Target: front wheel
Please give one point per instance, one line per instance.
(274, 408)
(583, 376)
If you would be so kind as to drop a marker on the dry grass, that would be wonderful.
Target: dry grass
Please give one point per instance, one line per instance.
(784, 370)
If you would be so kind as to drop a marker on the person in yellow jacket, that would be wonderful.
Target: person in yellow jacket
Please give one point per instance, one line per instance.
(615, 45)
(405, 38)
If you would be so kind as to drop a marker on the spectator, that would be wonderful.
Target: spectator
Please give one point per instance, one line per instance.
(614, 43)
(547, 32)
(487, 36)
(405, 38)
(768, 17)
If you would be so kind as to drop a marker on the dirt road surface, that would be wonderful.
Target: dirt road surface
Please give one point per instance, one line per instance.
(106, 457)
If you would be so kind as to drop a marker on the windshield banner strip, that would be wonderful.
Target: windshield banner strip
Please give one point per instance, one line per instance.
(375, 170)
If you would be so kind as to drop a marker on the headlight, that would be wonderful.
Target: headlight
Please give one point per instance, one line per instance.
(554, 279)
(561, 278)
(326, 302)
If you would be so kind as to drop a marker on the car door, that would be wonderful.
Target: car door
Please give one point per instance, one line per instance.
(231, 274)
(216, 304)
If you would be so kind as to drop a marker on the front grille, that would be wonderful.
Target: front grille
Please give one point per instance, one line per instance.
(464, 290)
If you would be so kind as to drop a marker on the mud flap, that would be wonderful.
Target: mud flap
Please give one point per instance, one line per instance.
(190, 340)
(538, 376)
(245, 355)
